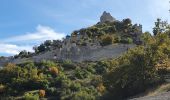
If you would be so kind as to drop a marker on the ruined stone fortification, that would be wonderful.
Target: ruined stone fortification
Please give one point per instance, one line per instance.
(78, 54)
(106, 17)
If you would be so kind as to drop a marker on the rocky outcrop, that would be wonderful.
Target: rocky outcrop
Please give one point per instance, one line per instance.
(106, 17)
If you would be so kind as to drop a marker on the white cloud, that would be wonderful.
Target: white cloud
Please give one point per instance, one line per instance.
(13, 49)
(42, 33)
(10, 45)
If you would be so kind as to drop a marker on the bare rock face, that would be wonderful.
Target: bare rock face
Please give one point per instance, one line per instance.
(106, 17)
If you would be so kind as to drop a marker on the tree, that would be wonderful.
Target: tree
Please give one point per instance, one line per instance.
(130, 74)
(41, 48)
(127, 22)
(48, 43)
(23, 53)
(147, 38)
(160, 26)
(35, 48)
(57, 43)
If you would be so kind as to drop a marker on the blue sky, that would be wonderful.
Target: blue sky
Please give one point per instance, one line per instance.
(25, 23)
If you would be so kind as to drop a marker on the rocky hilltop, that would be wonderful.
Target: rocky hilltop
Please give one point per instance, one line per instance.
(107, 39)
(106, 17)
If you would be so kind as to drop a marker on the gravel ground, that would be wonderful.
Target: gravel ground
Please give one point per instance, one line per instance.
(162, 96)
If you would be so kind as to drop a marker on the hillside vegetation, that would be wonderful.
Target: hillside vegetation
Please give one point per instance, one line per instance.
(101, 34)
(119, 78)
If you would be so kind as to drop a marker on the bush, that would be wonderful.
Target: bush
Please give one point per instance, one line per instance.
(83, 95)
(68, 64)
(81, 73)
(117, 39)
(42, 93)
(132, 74)
(101, 67)
(75, 86)
(101, 88)
(129, 40)
(91, 69)
(48, 63)
(126, 40)
(2, 88)
(54, 71)
(31, 96)
(106, 40)
(10, 66)
(51, 91)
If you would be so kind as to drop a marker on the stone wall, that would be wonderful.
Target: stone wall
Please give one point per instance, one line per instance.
(78, 54)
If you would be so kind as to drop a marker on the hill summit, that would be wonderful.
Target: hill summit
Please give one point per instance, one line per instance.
(106, 17)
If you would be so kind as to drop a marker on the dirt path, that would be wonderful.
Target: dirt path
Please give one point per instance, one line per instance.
(162, 96)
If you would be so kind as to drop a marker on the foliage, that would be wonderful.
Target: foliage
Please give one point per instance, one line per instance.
(2, 88)
(68, 64)
(48, 79)
(101, 67)
(106, 40)
(125, 76)
(140, 67)
(131, 73)
(160, 26)
(32, 95)
(42, 93)
(147, 38)
(54, 71)
(126, 40)
(81, 73)
(23, 54)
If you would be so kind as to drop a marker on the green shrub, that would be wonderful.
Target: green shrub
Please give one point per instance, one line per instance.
(91, 69)
(83, 95)
(81, 73)
(75, 86)
(126, 40)
(101, 67)
(117, 39)
(106, 40)
(52, 91)
(31, 96)
(68, 64)
(132, 74)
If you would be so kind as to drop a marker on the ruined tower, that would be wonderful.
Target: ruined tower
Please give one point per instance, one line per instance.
(106, 17)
